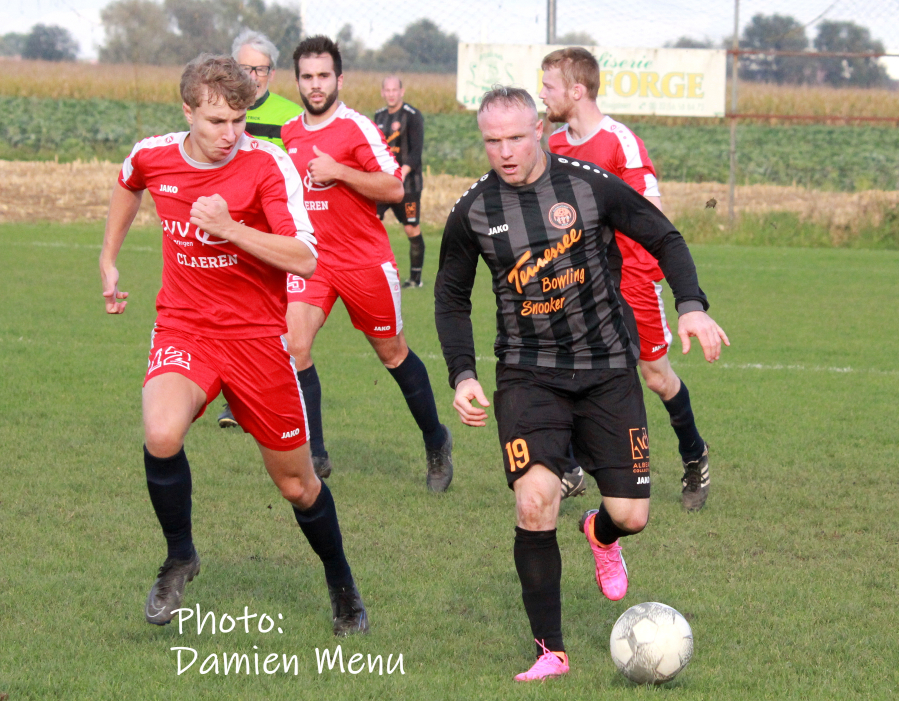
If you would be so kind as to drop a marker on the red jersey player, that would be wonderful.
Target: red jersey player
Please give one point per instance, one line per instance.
(233, 222)
(347, 168)
(570, 86)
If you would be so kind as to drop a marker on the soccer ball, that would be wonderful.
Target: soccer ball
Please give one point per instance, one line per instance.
(651, 643)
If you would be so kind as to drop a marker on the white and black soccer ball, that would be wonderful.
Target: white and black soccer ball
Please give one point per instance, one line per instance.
(651, 643)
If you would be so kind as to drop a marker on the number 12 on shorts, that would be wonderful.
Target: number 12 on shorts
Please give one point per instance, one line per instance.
(519, 456)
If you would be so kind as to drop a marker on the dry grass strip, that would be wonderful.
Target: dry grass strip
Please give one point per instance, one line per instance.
(69, 192)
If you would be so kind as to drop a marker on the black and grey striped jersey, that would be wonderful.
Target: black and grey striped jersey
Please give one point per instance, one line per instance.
(556, 268)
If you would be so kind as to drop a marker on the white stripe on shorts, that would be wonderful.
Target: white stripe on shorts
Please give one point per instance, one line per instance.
(393, 280)
(293, 369)
(665, 329)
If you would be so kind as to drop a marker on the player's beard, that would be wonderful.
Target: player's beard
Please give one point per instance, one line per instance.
(326, 105)
(560, 114)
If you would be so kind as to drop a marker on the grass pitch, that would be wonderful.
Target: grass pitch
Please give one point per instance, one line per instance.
(787, 576)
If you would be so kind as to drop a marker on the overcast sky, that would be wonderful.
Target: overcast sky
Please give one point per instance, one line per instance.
(611, 23)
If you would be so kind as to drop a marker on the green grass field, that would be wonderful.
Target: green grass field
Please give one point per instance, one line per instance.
(788, 576)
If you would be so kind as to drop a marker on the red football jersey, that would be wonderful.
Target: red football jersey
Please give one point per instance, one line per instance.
(210, 287)
(618, 150)
(349, 233)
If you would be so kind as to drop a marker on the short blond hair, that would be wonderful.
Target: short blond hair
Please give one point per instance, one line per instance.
(577, 66)
(215, 78)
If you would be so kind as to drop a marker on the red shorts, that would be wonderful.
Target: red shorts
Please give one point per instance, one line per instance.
(256, 375)
(649, 311)
(371, 295)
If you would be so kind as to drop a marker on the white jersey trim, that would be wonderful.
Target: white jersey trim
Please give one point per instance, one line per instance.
(148, 143)
(626, 139)
(386, 162)
(293, 184)
(625, 136)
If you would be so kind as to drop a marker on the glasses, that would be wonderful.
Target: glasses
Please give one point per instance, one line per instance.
(261, 71)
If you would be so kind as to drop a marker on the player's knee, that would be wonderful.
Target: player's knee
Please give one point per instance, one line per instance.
(662, 383)
(633, 522)
(162, 442)
(535, 511)
(297, 493)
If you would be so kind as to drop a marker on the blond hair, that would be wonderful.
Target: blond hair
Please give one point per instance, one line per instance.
(215, 78)
(578, 66)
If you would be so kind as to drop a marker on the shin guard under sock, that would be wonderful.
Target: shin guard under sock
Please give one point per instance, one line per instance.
(416, 257)
(412, 377)
(539, 565)
(312, 398)
(169, 484)
(604, 529)
(319, 525)
(690, 443)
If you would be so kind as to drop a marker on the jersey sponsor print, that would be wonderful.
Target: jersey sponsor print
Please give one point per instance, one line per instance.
(617, 149)
(209, 285)
(556, 266)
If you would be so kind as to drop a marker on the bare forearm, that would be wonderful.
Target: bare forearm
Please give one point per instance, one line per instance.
(380, 186)
(282, 252)
(123, 207)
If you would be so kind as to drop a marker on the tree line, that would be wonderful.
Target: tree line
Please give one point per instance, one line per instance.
(784, 33)
(171, 32)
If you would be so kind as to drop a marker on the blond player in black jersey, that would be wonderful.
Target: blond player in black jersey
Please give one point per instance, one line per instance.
(567, 351)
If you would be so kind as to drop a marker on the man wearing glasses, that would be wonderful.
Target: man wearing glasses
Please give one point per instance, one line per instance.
(257, 56)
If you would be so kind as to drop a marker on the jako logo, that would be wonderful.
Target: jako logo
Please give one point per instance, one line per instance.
(290, 434)
(498, 229)
(168, 188)
(382, 328)
(291, 150)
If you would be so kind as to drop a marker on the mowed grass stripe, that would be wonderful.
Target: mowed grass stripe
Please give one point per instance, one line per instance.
(786, 575)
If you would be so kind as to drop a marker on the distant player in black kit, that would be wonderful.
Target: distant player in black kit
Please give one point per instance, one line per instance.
(545, 226)
(404, 129)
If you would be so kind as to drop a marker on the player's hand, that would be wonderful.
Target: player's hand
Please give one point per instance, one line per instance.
(704, 328)
(323, 169)
(466, 391)
(212, 216)
(115, 300)
(404, 172)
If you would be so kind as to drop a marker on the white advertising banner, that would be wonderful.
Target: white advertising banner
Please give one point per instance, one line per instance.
(671, 82)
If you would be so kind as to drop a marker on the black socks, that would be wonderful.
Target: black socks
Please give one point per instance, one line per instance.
(412, 377)
(169, 484)
(539, 565)
(312, 398)
(690, 443)
(320, 526)
(416, 257)
(604, 528)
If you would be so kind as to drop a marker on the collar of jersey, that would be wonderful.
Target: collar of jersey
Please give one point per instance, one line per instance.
(603, 124)
(534, 185)
(210, 166)
(259, 102)
(339, 112)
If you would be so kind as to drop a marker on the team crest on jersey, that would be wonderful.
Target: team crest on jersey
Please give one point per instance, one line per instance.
(310, 185)
(562, 215)
(254, 144)
(169, 139)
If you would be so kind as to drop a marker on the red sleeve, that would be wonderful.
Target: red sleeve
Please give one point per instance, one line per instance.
(371, 150)
(635, 175)
(130, 177)
(281, 193)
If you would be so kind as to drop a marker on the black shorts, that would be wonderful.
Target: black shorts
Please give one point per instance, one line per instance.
(407, 212)
(540, 411)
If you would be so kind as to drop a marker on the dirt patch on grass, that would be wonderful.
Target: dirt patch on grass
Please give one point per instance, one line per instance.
(70, 192)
